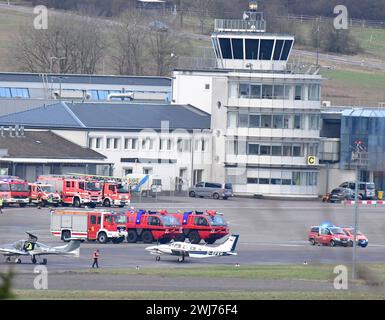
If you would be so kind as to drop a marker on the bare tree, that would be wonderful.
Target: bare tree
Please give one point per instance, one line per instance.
(129, 37)
(162, 49)
(71, 44)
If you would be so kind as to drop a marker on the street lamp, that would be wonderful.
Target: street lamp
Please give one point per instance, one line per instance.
(357, 155)
(60, 81)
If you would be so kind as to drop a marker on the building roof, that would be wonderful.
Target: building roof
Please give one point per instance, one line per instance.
(44, 144)
(87, 79)
(109, 116)
(358, 112)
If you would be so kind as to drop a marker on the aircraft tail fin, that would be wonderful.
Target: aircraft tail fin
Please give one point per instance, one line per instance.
(230, 244)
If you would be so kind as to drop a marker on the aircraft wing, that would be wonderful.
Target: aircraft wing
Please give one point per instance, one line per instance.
(13, 252)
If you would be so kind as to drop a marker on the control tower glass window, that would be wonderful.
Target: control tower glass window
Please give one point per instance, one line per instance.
(266, 49)
(237, 48)
(216, 48)
(225, 48)
(278, 49)
(286, 49)
(252, 49)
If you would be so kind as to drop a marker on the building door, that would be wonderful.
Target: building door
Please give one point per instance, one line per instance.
(198, 174)
(181, 180)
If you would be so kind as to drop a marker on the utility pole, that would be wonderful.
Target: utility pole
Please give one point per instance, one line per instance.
(318, 42)
(358, 155)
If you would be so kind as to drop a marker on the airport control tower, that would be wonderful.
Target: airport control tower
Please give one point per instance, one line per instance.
(265, 110)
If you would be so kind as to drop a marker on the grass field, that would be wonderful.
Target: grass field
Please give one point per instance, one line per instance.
(10, 21)
(181, 295)
(345, 87)
(371, 275)
(282, 272)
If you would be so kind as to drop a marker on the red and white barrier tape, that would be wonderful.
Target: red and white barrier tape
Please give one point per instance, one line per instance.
(364, 202)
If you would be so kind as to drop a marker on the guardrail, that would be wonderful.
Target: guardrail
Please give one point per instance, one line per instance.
(239, 25)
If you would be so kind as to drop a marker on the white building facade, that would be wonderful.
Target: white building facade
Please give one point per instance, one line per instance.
(265, 117)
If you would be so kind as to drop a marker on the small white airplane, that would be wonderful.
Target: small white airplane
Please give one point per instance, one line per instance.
(185, 249)
(35, 249)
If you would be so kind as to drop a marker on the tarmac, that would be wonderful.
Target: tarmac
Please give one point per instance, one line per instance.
(271, 232)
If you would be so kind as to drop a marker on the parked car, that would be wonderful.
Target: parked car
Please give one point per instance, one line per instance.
(158, 26)
(366, 190)
(362, 240)
(210, 189)
(340, 194)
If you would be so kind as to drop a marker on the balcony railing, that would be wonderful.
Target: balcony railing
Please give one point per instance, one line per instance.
(232, 25)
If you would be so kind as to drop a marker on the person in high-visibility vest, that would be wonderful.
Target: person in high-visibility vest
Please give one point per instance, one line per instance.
(95, 256)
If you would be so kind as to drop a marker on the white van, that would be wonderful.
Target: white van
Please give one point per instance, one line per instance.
(366, 190)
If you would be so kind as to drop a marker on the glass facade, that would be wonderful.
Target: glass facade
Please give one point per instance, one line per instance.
(282, 91)
(14, 93)
(250, 119)
(370, 130)
(253, 49)
(260, 148)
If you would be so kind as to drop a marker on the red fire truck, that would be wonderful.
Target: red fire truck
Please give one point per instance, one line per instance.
(114, 191)
(209, 226)
(43, 194)
(14, 190)
(151, 226)
(74, 191)
(102, 226)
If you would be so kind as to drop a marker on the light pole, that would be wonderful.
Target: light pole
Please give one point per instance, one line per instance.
(60, 82)
(357, 156)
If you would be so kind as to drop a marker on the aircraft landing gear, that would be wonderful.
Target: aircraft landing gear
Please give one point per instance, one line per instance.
(181, 259)
(8, 260)
(44, 262)
(157, 258)
(17, 260)
(33, 259)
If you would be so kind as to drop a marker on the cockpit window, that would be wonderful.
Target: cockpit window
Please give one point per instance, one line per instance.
(94, 186)
(170, 221)
(120, 219)
(217, 221)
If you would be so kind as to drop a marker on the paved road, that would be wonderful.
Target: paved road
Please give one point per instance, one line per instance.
(271, 232)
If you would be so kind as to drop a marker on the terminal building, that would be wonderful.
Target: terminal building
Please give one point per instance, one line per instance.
(171, 143)
(23, 91)
(265, 114)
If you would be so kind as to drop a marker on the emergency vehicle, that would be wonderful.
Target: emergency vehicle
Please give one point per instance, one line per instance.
(14, 190)
(74, 191)
(91, 225)
(328, 235)
(43, 194)
(114, 191)
(150, 226)
(208, 226)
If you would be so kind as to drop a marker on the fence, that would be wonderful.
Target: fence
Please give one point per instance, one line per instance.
(352, 22)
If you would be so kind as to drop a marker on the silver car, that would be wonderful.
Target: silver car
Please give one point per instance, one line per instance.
(210, 189)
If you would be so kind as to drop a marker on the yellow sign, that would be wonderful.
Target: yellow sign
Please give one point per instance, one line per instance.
(311, 160)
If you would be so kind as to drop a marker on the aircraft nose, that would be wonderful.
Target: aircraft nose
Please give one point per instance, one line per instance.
(150, 248)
